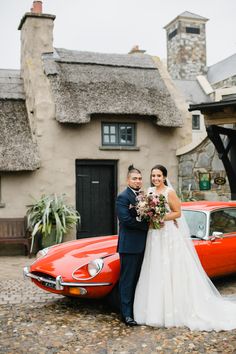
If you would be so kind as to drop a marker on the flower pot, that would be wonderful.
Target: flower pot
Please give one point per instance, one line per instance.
(52, 216)
(47, 241)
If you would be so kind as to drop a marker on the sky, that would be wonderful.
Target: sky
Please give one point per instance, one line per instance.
(115, 26)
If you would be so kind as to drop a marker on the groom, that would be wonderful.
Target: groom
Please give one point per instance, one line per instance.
(131, 243)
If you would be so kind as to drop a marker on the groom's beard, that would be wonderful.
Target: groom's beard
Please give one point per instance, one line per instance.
(135, 189)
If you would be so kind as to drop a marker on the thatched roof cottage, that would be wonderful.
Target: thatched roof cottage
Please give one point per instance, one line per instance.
(73, 121)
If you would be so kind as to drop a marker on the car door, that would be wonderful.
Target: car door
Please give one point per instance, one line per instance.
(218, 253)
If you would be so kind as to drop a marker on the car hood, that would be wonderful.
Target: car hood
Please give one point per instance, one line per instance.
(63, 259)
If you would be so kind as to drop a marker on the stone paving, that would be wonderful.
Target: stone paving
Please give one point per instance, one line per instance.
(33, 321)
(14, 289)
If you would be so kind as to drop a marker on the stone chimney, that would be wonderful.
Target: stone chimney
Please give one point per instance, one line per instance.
(136, 50)
(37, 7)
(36, 34)
(186, 46)
(36, 38)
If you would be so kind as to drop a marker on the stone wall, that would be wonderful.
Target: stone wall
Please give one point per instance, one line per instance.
(202, 159)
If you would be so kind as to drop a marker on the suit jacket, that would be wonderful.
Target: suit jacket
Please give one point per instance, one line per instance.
(132, 233)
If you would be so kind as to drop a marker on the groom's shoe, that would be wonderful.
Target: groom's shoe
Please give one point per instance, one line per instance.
(129, 321)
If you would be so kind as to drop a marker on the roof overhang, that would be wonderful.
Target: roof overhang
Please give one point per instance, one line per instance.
(218, 113)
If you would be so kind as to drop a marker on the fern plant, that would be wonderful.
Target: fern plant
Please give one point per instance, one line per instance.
(50, 214)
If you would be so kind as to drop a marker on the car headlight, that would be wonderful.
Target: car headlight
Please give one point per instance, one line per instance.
(95, 266)
(42, 253)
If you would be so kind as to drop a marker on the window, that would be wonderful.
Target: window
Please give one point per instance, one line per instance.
(118, 134)
(172, 34)
(196, 122)
(223, 221)
(194, 30)
(197, 222)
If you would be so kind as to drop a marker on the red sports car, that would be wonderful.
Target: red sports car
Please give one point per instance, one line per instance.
(90, 267)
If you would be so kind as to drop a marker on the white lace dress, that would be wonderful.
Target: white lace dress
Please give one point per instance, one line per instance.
(173, 289)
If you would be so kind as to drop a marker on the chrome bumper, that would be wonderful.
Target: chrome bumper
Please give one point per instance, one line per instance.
(59, 284)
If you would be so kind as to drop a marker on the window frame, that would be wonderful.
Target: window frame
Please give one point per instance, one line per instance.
(197, 126)
(117, 134)
(219, 224)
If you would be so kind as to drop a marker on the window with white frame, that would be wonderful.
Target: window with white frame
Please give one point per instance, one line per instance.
(196, 122)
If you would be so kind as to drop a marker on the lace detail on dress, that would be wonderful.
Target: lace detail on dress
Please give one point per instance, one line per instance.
(165, 191)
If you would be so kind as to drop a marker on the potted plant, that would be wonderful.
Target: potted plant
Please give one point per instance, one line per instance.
(50, 218)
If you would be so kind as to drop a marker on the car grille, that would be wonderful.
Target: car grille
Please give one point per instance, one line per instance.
(46, 281)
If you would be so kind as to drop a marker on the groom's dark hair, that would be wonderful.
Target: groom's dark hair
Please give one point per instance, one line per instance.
(132, 169)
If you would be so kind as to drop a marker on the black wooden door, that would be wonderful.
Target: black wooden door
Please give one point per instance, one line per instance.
(96, 188)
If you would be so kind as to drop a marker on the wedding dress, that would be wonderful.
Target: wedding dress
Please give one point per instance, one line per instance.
(173, 289)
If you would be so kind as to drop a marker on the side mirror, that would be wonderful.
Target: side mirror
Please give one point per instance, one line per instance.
(215, 235)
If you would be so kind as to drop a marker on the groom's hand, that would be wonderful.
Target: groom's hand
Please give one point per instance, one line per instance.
(132, 210)
(176, 223)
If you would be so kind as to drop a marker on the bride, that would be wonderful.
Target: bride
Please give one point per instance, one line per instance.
(173, 289)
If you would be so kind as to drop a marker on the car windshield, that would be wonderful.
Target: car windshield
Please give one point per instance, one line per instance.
(196, 221)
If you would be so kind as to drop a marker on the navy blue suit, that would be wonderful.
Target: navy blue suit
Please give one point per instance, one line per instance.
(131, 246)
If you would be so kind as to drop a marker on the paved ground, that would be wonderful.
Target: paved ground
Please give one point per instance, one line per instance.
(33, 321)
(15, 290)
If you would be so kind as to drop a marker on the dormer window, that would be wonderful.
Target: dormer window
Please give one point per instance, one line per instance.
(193, 30)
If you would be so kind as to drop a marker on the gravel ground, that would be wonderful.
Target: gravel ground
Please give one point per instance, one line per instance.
(32, 321)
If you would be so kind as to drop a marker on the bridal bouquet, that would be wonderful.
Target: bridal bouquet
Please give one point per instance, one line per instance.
(152, 208)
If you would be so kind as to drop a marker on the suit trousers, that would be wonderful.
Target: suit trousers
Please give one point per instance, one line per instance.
(130, 267)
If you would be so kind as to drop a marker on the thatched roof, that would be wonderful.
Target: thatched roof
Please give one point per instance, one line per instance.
(18, 152)
(11, 85)
(86, 83)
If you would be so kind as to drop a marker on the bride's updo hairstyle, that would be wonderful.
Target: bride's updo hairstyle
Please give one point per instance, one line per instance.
(132, 169)
(162, 169)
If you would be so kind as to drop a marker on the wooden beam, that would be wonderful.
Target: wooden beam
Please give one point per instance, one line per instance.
(219, 118)
(219, 121)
